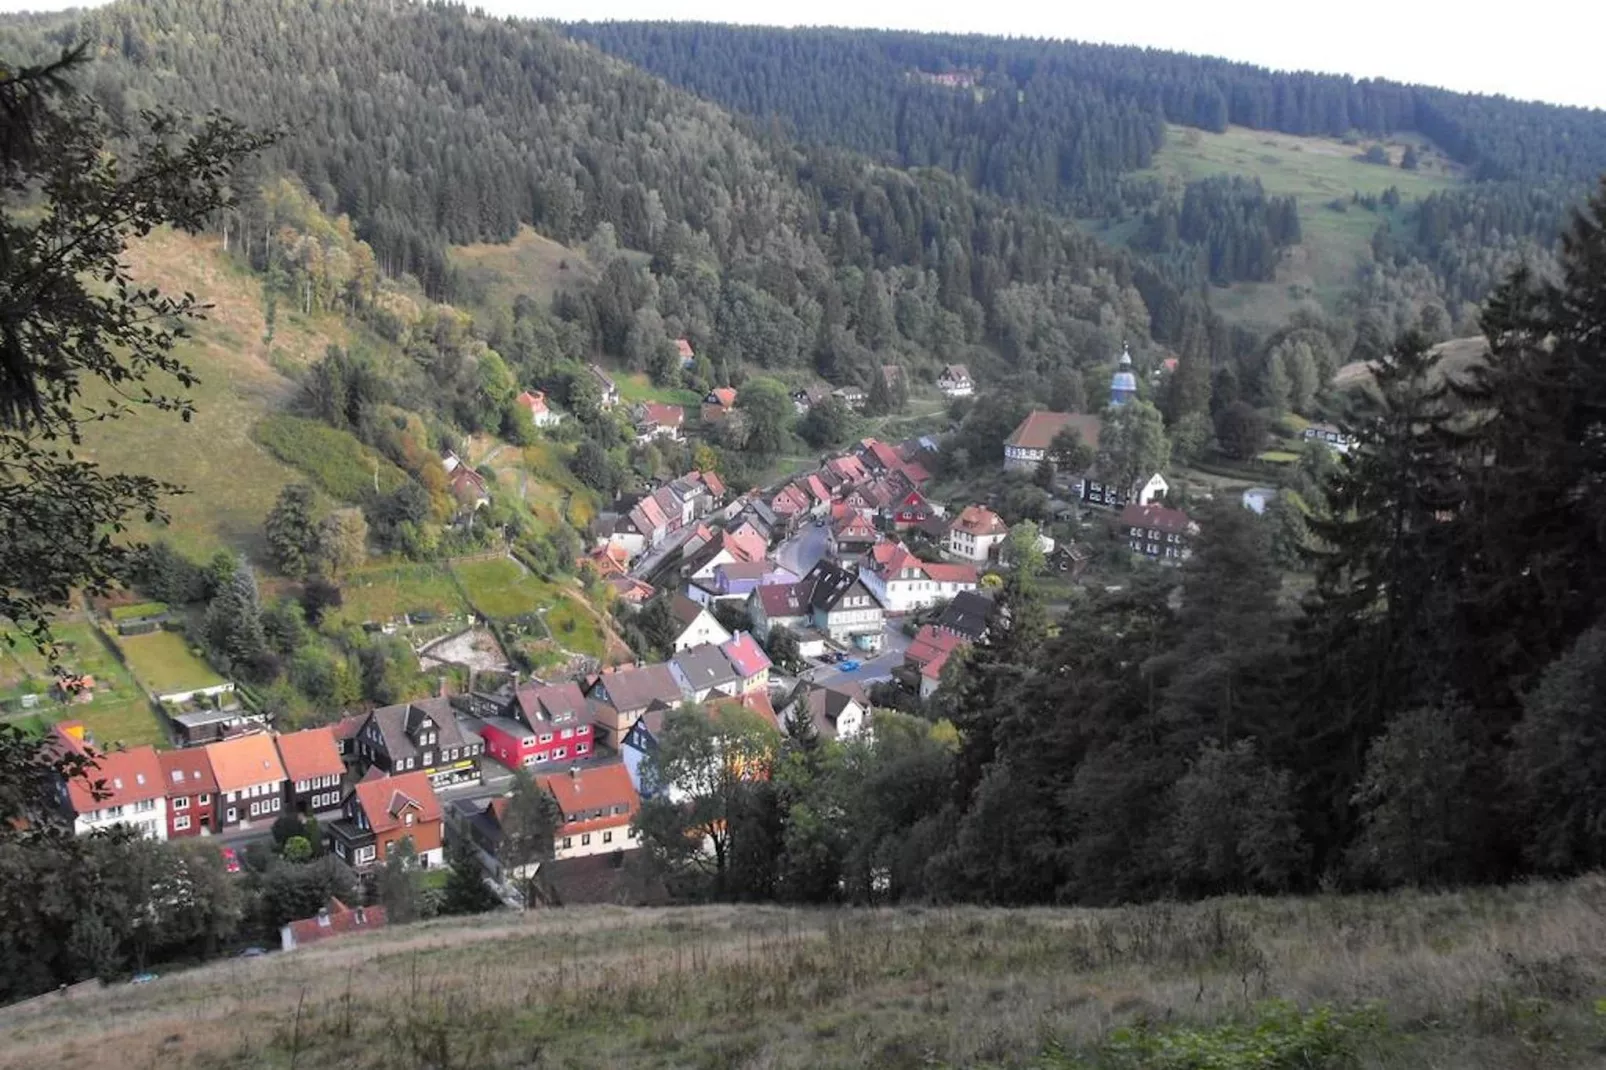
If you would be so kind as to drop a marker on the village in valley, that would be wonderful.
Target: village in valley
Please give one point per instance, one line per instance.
(836, 591)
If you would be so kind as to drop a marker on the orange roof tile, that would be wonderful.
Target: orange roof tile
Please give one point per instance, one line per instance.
(311, 753)
(386, 801)
(243, 761)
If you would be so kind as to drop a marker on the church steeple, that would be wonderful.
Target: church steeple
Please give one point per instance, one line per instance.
(1123, 384)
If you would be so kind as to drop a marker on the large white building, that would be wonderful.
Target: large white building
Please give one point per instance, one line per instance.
(130, 781)
(903, 583)
(975, 533)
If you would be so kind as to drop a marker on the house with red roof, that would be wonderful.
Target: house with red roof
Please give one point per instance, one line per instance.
(849, 470)
(191, 792)
(379, 813)
(779, 604)
(656, 420)
(534, 402)
(1029, 444)
(469, 487)
(314, 769)
(751, 663)
(955, 382)
(852, 536)
(1158, 532)
(596, 806)
(911, 510)
(878, 456)
(540, 724)
(926, 657)
(975, 533)
(120, 787)
(718, 403)
(250, 779)
(790, 504)
(649, 521)
(336, 919)
(903, 583)
(684, 350)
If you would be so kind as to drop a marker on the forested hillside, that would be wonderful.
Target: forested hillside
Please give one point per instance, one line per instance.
(1066, 124)
(427, 125)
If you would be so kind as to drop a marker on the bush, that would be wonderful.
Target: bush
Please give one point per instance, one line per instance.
(1279, 1037)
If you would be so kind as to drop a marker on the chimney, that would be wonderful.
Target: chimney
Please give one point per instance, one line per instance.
(574, 773)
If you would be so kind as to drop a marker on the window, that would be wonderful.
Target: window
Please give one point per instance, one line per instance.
(181, 803)
(560, 753)
(181, 822)
(585, 839)
(529, 741)
(607, 837)
(546, 737)
(581, 748)
(273, 804)
(254, 809)
(407, 819)
(365, 854)
(229, 797)
(232, 815)
(567, 733)
(568, 842)
(203, 800)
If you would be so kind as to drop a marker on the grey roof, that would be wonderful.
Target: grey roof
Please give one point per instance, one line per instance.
(824, 704)
(705, 666)
(553, 703)
(636, 689)
(967, 614)
(395, 723)
(830, 583)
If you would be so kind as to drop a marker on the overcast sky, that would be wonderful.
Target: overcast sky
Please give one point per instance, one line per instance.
(1534, 49)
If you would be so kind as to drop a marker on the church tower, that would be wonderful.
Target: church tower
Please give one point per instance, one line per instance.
(1123, 384)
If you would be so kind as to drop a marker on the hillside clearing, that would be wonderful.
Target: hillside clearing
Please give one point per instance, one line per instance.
(386, 592)
(1477, 980)
(529, 265)
(163, 663)
(230, 480)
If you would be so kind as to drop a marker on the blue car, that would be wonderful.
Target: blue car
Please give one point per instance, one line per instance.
(850, 666)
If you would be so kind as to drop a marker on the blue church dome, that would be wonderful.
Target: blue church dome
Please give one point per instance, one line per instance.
(1123, 384)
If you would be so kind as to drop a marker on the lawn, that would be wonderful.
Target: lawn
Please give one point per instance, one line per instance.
(386, 592)
(503, 589)
(232, 481)
(119, 712)
(636, 386)
(138, 610)
(163, 663)
(528, 265)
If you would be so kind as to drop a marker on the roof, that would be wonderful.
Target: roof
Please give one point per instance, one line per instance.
(830, 583)
(1159, 517)
(652, 515)
(849, 468)
(553, 702)
(684, 610)
(715, 485)
(882, 454)
(125, 776)
(188, 771)
(245, 760)
(630, 589)
(705, 666)
(602, 377)
(387, 800)
(347, 727)
(783, 599)
(637, 688)
(683, 347)
(825, 704)
(815, 486)
(967, 614)
(394, 722)
(1039, 429)
(722, 395)
(942, 572)
(467, 482)
(745, 655)
(954, 373)
(854, 527)
(1123, 381)
(653, 412)
(334, 920)
(535, 401)
(979, 520)
(310, 753)
(931, 644)
(588, 797)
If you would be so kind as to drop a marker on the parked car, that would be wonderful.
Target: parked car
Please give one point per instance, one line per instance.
(850, 666)
(142, 978)
(231, 861)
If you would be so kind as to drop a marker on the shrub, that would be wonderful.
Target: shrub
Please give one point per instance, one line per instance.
(333, 459)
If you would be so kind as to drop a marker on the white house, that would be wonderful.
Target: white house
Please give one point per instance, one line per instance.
(1256, 499)
(697, 625)
(903, 583)
(955, 382)
(541, 414)
(975, 533)
(131, 780)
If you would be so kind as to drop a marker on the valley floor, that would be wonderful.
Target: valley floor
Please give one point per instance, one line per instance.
(1485, 979)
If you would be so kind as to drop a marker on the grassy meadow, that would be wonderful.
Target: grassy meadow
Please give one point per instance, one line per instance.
(529, 265)
(384, 592)
(1501, 978)
(1315, 171)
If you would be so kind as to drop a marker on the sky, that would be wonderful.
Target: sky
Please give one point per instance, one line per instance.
(1533, 50)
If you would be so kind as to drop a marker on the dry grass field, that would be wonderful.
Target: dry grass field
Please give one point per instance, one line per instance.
(1504, 978)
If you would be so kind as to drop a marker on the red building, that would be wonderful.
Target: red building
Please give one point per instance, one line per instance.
(540, 726)
(911, 511)
(191, 790)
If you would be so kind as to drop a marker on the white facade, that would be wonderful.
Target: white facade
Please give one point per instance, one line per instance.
(956, 388)
(856, 623)
(971, 547)
(619, 837)
(703, 629)
(1156, 487)
(148, 817)
(911, 589)
(1256, 499)
(1019, 457)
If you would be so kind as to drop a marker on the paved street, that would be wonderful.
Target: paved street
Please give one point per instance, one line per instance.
(800, 553)
(871, 670)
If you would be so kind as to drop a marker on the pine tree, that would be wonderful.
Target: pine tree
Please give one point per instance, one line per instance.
(290, 530)
(234, 632)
